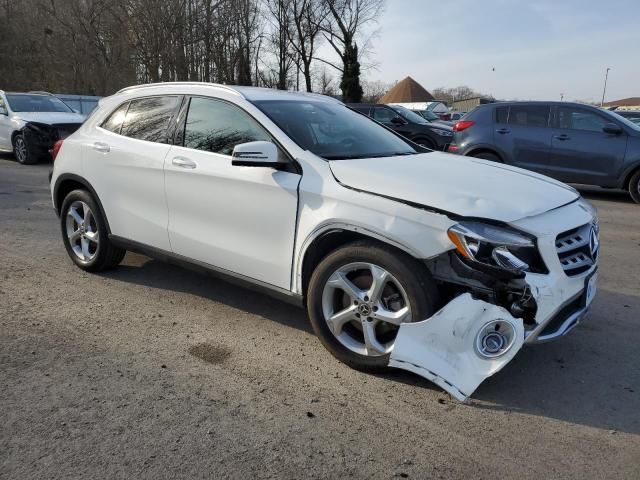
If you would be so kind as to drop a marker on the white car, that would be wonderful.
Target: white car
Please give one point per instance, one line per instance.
(30, 124)
(404, 257)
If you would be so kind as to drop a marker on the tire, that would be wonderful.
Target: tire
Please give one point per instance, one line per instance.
(408, 284)
(488, 156)
(425, 142)
(634, 187)
(21, 151)
(87, 244)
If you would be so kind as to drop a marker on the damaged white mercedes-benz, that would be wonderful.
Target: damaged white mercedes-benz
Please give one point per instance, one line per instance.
(404, 257)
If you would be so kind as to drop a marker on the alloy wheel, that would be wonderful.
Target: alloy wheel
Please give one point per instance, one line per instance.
(82, 231)
(364, 305)
(20, 149)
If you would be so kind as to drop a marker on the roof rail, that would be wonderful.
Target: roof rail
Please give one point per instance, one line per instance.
(207, 84)
(41, 92)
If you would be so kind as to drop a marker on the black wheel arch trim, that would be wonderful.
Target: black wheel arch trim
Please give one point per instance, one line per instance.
(85, 183)
(625, 178)
(485, 148)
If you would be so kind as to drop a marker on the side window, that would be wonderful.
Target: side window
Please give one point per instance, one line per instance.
(578, 119)
(502, 114)
(148, 118)
(113, 123)
(529, 115)
(217, 126)
(384, 115)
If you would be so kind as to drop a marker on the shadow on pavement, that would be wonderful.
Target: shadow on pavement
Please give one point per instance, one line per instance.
(590, 377)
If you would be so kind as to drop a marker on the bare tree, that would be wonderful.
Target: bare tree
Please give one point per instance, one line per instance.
(345, 22)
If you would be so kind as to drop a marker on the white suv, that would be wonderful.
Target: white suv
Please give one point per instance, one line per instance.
(404, 257)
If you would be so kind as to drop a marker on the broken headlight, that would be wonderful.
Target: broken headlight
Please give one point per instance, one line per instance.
(496, 247)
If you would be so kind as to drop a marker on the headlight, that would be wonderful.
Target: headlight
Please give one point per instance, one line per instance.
(442, 133)
(496, 247)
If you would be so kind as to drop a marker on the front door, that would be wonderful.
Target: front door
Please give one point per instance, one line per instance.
(240, 219)
(581, 152)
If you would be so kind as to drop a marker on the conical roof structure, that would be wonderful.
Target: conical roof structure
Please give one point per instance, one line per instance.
(407, 91)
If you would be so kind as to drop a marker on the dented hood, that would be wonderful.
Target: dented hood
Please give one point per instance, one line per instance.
(463, 186)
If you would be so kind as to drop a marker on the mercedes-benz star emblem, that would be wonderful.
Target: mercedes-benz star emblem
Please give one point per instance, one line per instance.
(594, 243)
(365, 310)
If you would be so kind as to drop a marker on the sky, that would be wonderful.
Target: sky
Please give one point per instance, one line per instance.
(538, 48)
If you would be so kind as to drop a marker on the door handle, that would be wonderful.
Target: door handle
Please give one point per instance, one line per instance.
(562, 137)
(502, 131)
(184, 162)
(101, 147)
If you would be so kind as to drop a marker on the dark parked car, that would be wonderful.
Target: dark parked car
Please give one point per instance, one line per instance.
(435, 136)
(571, 142)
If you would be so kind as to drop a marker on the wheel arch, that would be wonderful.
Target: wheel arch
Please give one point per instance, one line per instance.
(67, 182)
(331, 237)
(629, 172)
(484, 149)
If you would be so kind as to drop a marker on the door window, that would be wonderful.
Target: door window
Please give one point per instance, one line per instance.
(529, 115)
(384, 115)
(578, 119)
(148, 118)
(113, 123)
(217, 126)
(502, 114)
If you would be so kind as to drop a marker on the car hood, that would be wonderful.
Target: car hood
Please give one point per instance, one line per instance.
(463, 186)
(50, 118)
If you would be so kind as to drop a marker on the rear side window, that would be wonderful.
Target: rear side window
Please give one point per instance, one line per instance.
(217, 126)
(502, 114)
(384, 115)
(148, 118)
(529, 115)
(113, 123)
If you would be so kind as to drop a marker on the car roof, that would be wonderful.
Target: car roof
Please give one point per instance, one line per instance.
(248, 93)
(534, 102)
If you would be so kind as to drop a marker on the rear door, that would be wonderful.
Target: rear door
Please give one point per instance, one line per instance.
(126, 155)
(581, 151)
(522, 133)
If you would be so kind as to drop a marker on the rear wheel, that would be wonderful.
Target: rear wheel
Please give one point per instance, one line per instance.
(85, 234)
(425, 142)
(487, 156)
(358, 297)
(634, 187)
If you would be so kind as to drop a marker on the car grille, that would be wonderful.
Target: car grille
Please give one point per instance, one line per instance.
(578, 249)
(66, 129)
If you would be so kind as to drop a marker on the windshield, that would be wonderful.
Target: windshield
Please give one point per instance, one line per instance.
(408, 114)
(332, 130)
(429, 115)
(20, 102)
(628, 122)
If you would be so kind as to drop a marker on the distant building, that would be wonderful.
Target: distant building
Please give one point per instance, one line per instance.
(624, 102)
(407, 91)
(469, 104)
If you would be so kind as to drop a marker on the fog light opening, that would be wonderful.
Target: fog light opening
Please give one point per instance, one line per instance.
(495, 338)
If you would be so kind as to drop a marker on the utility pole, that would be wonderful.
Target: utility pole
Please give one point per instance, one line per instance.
(604, 90)
(561, 96)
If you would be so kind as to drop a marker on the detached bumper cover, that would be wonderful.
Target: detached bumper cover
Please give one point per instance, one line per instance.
(444, 348)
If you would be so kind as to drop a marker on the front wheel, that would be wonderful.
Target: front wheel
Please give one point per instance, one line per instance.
(21, 151)
(488, 156)
(634, 187)
(358, 297)
(85, 234)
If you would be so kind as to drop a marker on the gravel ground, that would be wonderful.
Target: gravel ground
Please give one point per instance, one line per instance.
(150, 371)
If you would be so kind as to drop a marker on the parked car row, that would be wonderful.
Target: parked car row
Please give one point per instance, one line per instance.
(571, 142)
(30, 124)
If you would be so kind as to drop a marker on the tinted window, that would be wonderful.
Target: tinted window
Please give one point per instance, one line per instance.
(502, 114)
(384, 115)
(408, 114)
(578, 119)
(333, 131)
(36, 103)
(148, 118)
(529, 115)
(218, 126)
(113, 123)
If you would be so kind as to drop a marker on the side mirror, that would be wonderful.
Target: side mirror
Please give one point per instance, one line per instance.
(255, 154)
(612, 129)
(3, 111)
(397, 121)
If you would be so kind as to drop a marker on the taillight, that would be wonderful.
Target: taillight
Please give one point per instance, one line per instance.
(462, 125)
(452, 148)
(56, 149)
